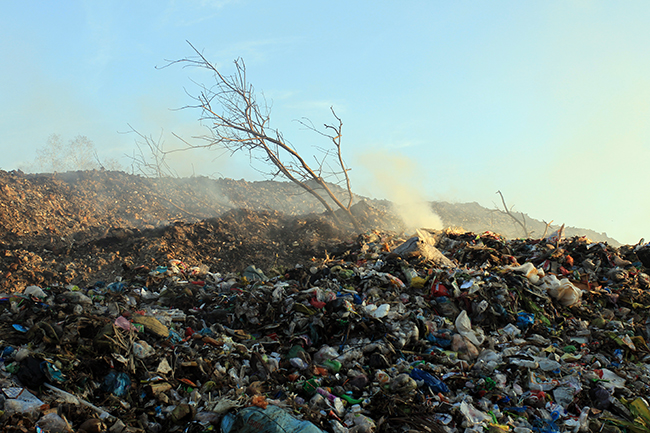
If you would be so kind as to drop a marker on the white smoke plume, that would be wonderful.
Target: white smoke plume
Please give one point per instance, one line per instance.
(395, 177)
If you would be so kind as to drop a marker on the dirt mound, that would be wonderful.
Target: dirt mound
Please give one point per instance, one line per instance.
(77, 227)
(230, 243)
(476, 218)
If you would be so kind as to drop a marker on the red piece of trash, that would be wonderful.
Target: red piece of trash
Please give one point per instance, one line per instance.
(439, 289)
(316, 303)
(564, 271)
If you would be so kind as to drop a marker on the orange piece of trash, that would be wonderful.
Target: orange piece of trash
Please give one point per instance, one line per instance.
(188, 382)
(259, 401)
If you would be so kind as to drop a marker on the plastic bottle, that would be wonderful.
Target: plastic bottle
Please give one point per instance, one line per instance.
(299, 363)
(525, 363)
(363, 424)
(496, 411)
(584, 419)
(325, 393)
(337, 427)
(324, 353)
(336, 402)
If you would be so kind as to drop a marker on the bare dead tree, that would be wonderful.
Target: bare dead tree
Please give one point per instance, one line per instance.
(238, 123)
(149, 160)
(149, 157)
(79, 153)
(508, 211)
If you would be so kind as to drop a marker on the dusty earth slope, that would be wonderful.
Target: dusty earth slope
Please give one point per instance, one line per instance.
(85, 226)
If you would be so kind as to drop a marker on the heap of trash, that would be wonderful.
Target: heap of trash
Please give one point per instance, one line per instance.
(443, 332)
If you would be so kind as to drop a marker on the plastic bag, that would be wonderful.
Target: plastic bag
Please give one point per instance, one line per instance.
(436, 385)
(273, 419)
(566, 293)
(464, 328)
(116, 383)
(473, 415)
(529, 270)
(53, 423)
(35, 291)
(488, 360)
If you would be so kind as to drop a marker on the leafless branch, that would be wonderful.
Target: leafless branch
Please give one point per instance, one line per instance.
(548, 225)
(240, 124)
(149, 157)
(507, 211)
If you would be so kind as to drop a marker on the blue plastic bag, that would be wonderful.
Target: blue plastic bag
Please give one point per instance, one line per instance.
(116, 383)
(273, 419)
(435, 384)
(525, 320)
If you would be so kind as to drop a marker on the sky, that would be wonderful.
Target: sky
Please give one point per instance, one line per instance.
(546, 101)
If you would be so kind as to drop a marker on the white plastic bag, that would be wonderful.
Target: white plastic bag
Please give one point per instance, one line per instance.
(464, 328)
(529, 270)
(566, 293)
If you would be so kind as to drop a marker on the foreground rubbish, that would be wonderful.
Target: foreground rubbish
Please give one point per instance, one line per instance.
(442, 332)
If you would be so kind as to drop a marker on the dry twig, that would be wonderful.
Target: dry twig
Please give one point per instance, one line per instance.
(507, 211)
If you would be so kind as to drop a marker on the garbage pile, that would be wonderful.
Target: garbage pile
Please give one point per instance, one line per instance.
(442, 332)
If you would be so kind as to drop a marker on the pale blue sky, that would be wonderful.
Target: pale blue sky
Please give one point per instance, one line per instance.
(546, 101)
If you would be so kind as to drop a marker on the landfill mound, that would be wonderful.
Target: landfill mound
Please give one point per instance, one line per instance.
(228, 243)
(476, 218)
(82, 227)
(55, 209)
(441, 332)
(133, 305)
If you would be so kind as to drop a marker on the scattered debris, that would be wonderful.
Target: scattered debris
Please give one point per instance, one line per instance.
(522, 335)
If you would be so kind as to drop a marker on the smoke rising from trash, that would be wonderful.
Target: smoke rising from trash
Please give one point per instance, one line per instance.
(395, 179)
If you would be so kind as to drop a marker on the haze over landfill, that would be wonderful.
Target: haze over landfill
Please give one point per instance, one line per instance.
(545, 101)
